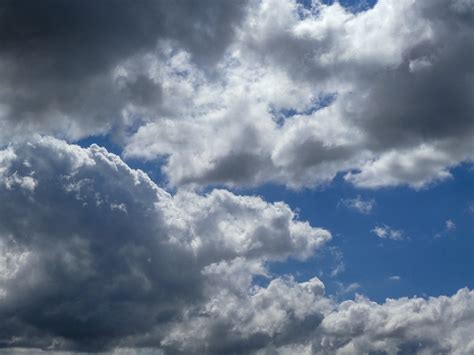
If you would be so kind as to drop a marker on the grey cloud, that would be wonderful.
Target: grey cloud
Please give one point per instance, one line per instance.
(95, 256)
(57, 57)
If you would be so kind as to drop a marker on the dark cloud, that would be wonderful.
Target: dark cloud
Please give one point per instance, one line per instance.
(430, 96)
(56, 56)
(94, 253)
(95, 257)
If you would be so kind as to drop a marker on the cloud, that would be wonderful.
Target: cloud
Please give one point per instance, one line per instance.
(395, 278)
(245, 93)
(59, 60)
(449, 228)
(94, 256)
(385, 232)
(387, 107)
(450, 225)
(415, 326)
(98, 257)
(85, 69)
(358, 204)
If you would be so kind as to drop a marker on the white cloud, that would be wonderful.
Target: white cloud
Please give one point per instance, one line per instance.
(416, 326)
(450, 225)
(265, 125)
(250, 108)
(358, 204)
(385, 232)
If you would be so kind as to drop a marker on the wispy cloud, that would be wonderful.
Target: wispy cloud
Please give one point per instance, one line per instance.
(450, 225)
(358, 204)
(386, 232)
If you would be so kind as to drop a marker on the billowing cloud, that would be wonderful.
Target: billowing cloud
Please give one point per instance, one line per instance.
(94, 253)
(411, 326)
(384, 95)
(95, 256)
(244, 93)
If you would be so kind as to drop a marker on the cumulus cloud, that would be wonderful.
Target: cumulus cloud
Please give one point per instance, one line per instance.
(411, 326)
(244, 93)
(384, 95)
(96, 254)
(98, 257)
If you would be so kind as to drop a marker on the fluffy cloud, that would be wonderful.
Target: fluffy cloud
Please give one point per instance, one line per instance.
(95, 256)
(384, 95)
(244, 93)
(413, 326)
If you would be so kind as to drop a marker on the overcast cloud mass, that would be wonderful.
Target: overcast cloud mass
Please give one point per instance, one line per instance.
(219, 96)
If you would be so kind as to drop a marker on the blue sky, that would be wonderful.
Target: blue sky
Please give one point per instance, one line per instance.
(353, 5)
(431, 262)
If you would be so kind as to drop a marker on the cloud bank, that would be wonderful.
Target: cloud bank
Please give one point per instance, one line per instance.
(243, 93)
(95, 256)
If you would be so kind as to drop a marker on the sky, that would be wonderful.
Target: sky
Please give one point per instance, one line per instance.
(241, 177)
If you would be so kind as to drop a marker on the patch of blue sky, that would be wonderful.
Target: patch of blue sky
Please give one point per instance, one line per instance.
(429, 261)
(323, 100)
(354, 6)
